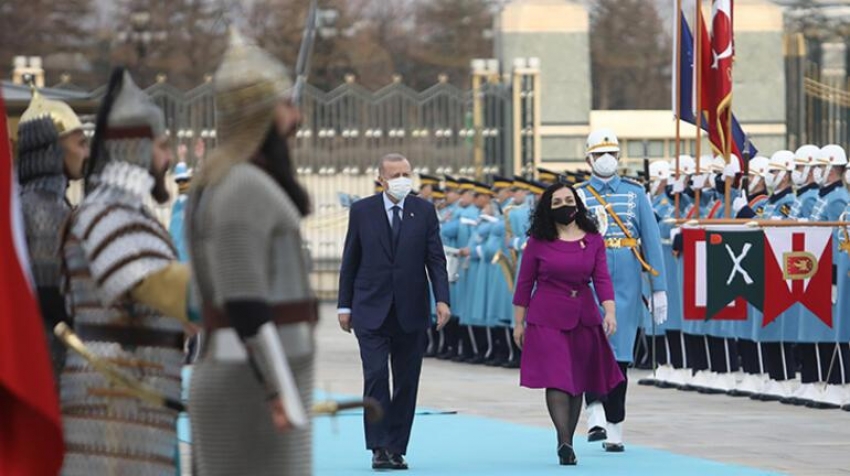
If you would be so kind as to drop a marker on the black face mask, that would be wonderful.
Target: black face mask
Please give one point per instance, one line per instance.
(565, 215)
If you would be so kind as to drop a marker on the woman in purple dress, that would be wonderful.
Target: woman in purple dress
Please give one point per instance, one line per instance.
(558, 324)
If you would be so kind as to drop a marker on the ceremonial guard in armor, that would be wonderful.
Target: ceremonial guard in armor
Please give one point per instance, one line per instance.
(254, 381)
(52, 149)
(183, 178)
(823, 359)
(775, 339)
(633, 244)
(124, 289)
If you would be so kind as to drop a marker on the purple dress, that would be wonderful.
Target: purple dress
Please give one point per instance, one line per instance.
(565, 346)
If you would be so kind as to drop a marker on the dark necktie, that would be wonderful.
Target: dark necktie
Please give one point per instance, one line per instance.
(396, 225)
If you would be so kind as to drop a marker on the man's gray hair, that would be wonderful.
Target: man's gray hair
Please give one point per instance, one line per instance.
(391, 157)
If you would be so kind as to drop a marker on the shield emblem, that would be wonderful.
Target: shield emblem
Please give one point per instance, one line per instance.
(799, 265)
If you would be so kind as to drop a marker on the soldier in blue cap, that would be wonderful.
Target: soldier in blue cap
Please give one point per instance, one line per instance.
(183, 178)
(633, 243)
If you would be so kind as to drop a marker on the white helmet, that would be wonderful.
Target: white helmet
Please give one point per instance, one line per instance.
(704, 164)
(602, 140)
(832, 155)
(782, 160)
(804, 156)
(687, 166)
(758, 171)
(719, 165)
(659, 170)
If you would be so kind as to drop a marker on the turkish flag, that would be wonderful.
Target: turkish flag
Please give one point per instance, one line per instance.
(695, 281)
(31, 441)
(798, 268)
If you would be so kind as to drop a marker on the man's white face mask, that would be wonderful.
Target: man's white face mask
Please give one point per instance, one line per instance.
(400, 187)
(605, 166)
(799, 176)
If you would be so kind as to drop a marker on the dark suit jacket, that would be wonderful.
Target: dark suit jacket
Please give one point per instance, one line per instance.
(373, 278)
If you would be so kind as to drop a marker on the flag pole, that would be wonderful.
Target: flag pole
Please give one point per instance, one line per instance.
(727, 152)
(677, 61)
(698, 92)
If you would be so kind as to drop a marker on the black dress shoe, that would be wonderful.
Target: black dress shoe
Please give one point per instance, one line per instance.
(597, 433)
(614, 447)
(511, 364)
(397, 461)
(567, 456)
(846, 408)
(381, 460)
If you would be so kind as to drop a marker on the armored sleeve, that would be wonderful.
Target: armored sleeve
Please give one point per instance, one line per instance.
(123, 246)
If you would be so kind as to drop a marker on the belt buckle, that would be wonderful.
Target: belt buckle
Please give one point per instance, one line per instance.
(612, 242)
(573, 292)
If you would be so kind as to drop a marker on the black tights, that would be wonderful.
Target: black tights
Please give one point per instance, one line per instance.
(564, 410)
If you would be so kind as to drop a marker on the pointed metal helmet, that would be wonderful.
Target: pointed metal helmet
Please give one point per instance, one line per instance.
(248, 86)
(41, 126)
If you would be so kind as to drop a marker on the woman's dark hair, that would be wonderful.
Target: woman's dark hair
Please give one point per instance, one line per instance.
(542, 224)
(274, 158)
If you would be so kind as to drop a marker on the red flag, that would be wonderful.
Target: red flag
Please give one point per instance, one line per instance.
(31, 441)
(722, 52)
(716, 57)
(695, 282)
(798, 268)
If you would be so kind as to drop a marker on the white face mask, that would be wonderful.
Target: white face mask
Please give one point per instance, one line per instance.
(771, 180)
(754, 183)
(605, 166)
(799, 177)
(847, 176)
(653, 188)
(400, 187)
(819, 174)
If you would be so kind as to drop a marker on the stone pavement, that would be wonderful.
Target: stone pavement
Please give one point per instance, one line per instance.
(768, 436)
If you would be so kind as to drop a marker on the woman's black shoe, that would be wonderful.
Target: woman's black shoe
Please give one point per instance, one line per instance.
(566, 455)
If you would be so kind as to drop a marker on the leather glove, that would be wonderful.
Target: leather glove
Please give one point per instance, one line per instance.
(659, 307)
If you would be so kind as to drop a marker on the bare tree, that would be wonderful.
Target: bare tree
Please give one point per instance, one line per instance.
(630, 56)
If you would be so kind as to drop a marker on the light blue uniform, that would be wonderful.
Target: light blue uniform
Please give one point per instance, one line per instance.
(479, 268)
(830, 204)
(842, 317)
(629, 201)
(806, 198)
(175, 228)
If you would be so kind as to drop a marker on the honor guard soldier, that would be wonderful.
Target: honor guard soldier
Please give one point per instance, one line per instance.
(777, 337)
(183, 178)
(633, 243)
(547, 177)
(807, 187)
(427, 184)
(828, 172)
(448, 335)
(52, 149)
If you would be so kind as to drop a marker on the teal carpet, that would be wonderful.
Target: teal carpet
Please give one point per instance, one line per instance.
(453, 444)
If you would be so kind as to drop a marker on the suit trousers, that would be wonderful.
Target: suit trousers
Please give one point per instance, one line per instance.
(384, 350)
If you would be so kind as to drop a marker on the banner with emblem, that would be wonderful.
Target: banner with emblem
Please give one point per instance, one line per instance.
(737, 268)
(798, 268)
(695, 282)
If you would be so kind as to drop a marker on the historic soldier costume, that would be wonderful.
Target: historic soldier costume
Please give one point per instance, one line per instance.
(43, 132)
(122, 285)
(633, 243)
(251, 271)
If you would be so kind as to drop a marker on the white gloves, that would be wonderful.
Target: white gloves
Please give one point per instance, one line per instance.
(738, 204)
(699, 181)
(834, 294)
(730, 171)
(659, 307)
(679, 185)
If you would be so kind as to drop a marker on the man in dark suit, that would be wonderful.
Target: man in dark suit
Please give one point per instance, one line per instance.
(393, 239)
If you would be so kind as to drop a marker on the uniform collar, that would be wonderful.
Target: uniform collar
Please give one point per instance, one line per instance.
(806, 188)
(778, 195)
(829, 188)
(599, 184)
